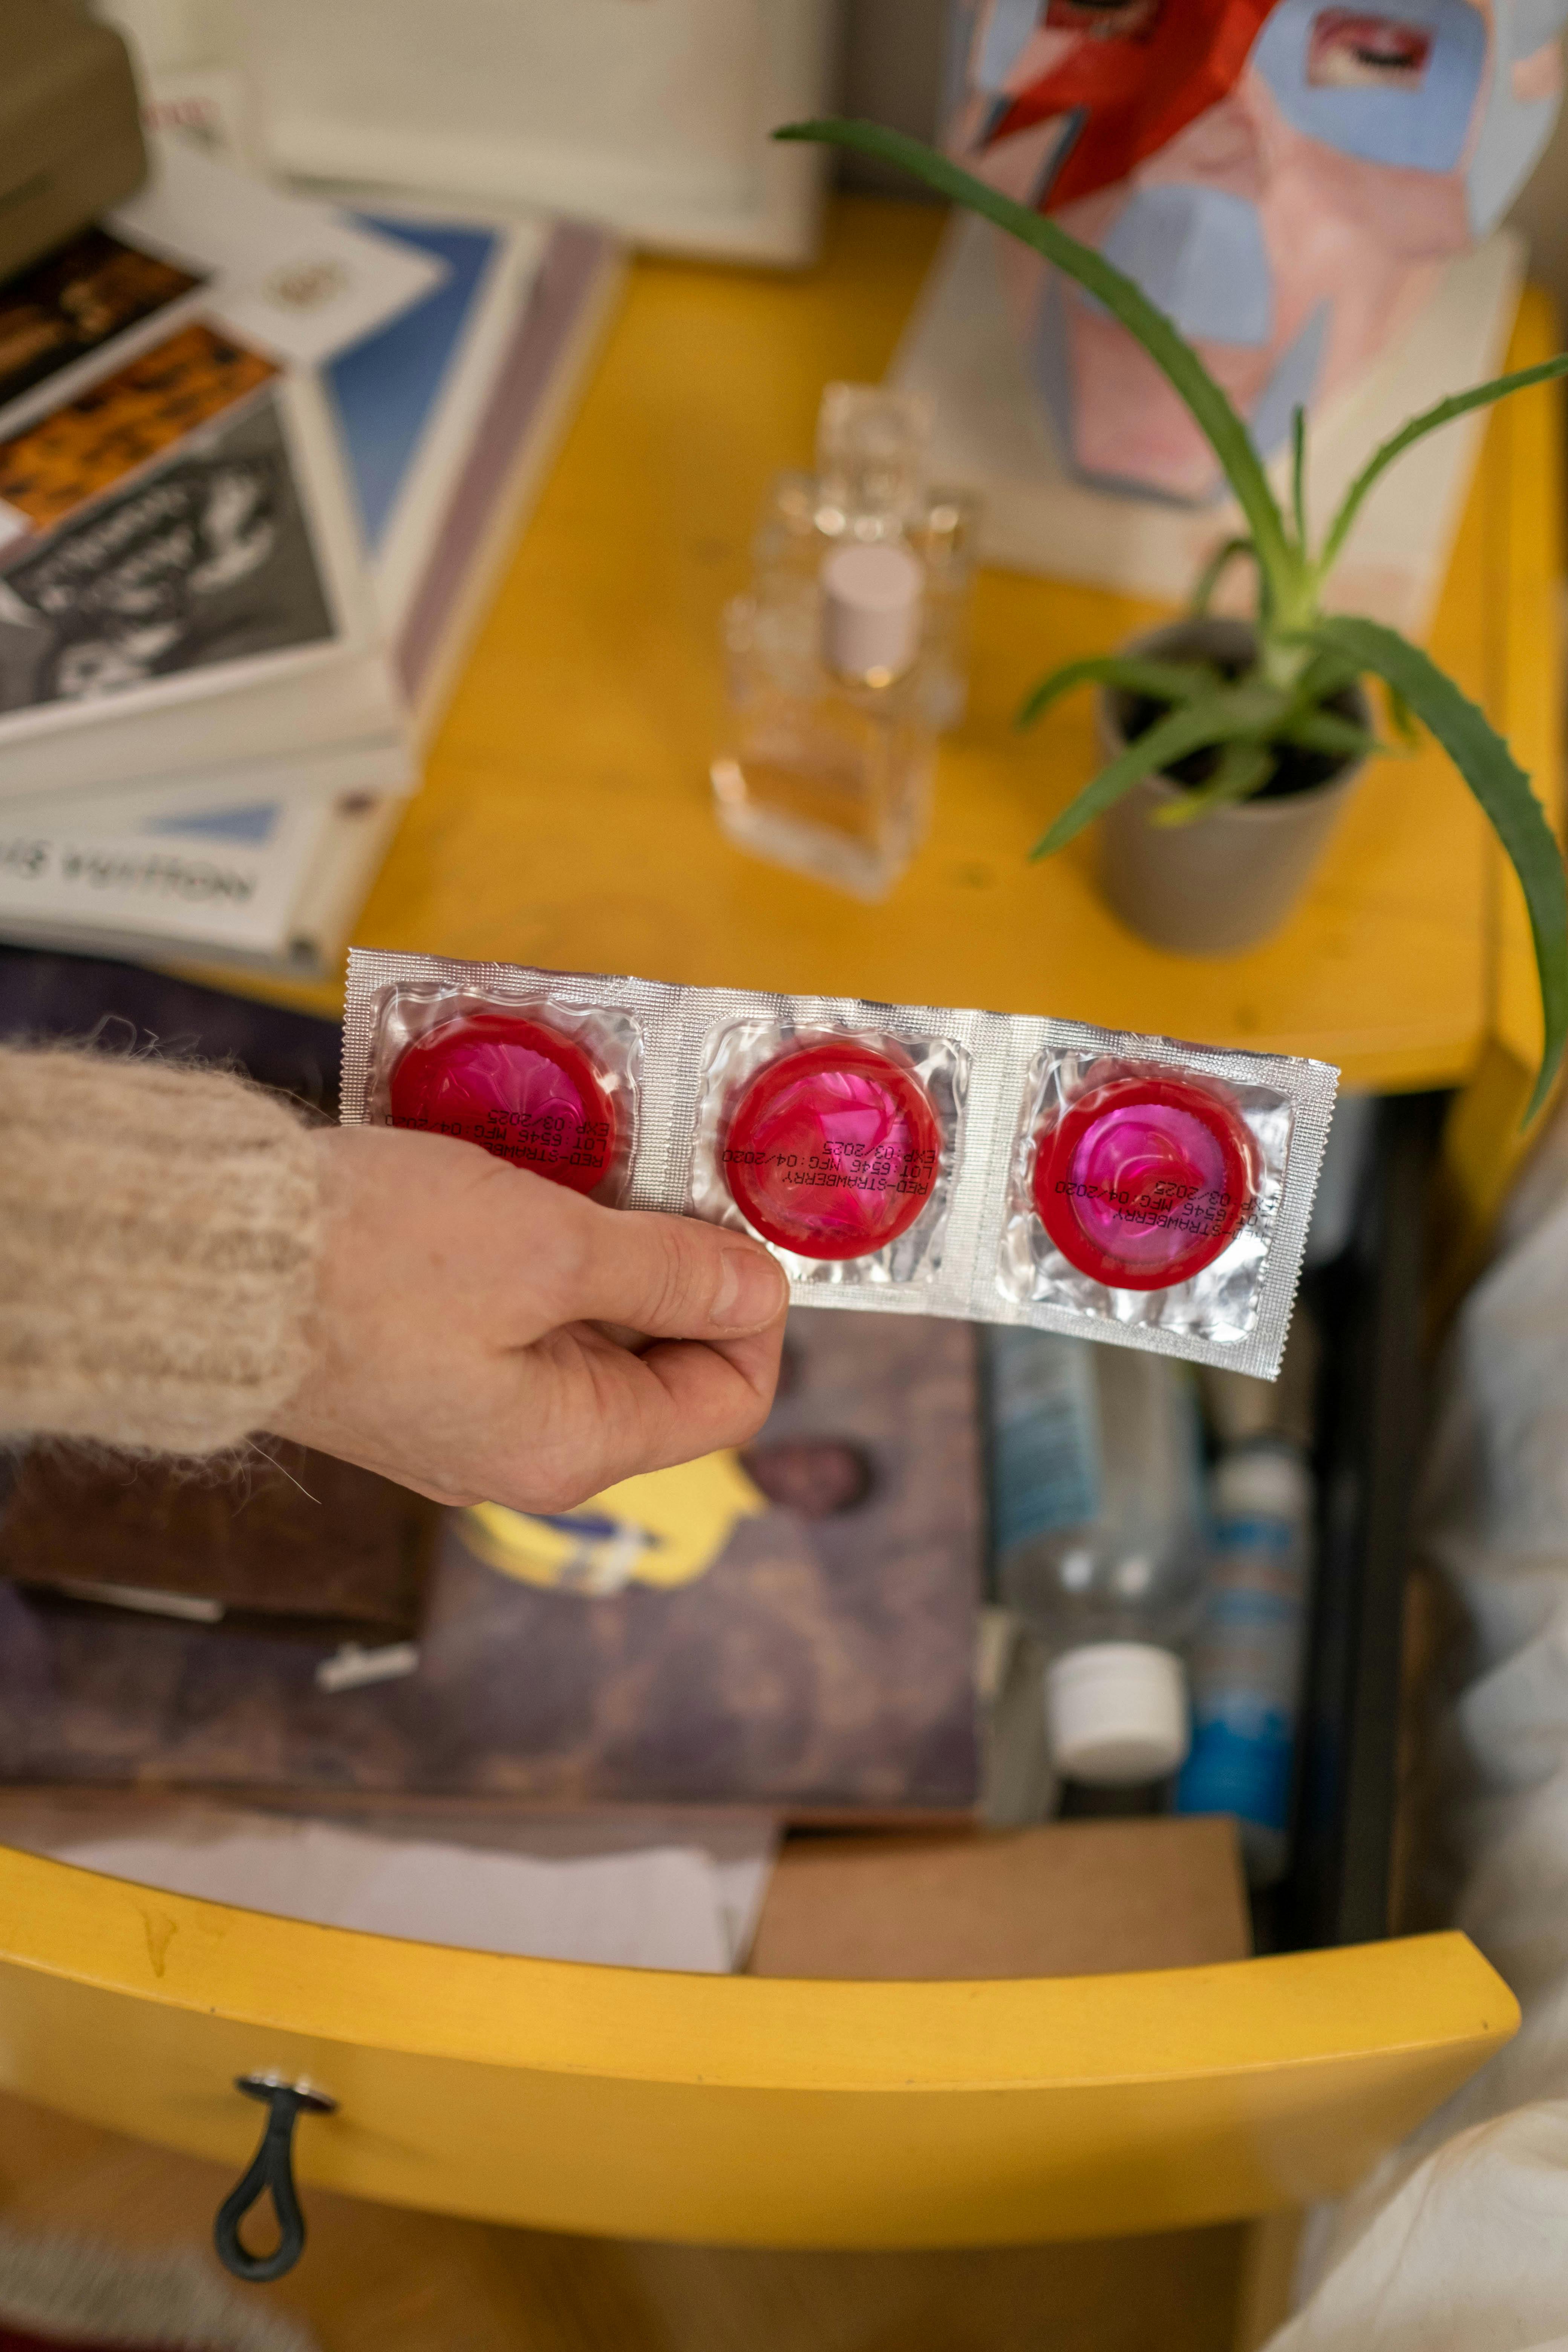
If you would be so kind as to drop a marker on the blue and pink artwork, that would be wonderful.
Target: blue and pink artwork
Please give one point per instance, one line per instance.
(1284, 178)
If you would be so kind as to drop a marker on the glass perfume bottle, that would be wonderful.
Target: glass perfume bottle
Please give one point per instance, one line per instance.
(870, 485)
(829, 763)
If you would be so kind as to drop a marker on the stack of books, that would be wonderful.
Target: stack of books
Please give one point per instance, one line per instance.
(261, 459)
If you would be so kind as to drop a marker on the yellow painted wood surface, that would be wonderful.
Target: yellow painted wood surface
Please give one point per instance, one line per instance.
(1524, 567)
(736, 2109)
(1521, 562)
(565, 819)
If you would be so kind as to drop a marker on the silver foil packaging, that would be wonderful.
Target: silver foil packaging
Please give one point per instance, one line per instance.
(915, 1158)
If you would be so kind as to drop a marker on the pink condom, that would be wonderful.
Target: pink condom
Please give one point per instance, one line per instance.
(516, 1088)
(831, 1150)
(1144, 1179)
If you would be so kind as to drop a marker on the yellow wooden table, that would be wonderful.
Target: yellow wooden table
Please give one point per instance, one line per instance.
(566, 822)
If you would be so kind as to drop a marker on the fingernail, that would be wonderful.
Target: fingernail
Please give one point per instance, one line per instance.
(751, 1290)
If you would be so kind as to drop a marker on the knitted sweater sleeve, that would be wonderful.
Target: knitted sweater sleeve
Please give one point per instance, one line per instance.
(159, 1229)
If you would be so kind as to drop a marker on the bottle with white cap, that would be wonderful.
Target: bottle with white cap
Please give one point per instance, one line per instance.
(1248, 1652)
(1097, 1518)
(828, 765)
(869, 485)
(839, 679)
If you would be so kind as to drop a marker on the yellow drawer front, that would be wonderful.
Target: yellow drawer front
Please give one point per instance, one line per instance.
(736, 2110)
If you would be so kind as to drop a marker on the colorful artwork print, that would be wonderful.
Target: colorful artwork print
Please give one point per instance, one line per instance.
(1283, 177)
(122, 422)
(206, 559)
(76, 300)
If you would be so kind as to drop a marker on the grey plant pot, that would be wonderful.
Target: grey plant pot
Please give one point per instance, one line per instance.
(1231, 879)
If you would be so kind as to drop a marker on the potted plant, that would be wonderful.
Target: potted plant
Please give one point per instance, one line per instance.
(1230, 745)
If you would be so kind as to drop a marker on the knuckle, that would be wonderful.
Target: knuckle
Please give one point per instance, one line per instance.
(576, 1255)
(677, 1290)
(565, 1267)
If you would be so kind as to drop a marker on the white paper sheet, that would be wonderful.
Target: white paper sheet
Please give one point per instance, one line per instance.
(291, 277)
(626, 1891)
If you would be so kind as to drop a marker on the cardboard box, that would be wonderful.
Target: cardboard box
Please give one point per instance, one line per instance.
(1072, 1899)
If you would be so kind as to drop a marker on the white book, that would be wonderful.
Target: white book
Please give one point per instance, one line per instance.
(493, 267)
(259, 864)
(993, 435)
(451, 416)
(130, 886)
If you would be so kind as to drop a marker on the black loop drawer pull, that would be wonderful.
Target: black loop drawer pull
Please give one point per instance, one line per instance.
(271, 2169)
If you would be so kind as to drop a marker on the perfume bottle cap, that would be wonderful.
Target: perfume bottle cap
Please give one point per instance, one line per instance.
(515, 1087)
(831, 1152)
(1144, 1179)
(871, 612)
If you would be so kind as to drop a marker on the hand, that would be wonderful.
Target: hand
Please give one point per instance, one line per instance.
(460, 1339)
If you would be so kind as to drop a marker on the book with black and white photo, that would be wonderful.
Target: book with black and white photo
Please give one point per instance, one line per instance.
(180, 579)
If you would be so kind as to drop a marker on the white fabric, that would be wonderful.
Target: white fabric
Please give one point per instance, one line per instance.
(1458, 2240)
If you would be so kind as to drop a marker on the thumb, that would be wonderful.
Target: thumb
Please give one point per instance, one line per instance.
(674, 1278)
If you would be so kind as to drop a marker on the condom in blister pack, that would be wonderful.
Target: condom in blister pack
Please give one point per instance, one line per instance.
(915, 1158)
(554, 1090)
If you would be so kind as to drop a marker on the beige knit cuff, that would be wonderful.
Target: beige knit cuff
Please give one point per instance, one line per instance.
(159, 1230)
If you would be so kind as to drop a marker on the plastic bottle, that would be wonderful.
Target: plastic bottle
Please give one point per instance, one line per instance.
(1097, 1514)
(1247, 1654)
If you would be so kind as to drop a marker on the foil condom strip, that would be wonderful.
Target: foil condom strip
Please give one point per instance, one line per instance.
(898, 1159)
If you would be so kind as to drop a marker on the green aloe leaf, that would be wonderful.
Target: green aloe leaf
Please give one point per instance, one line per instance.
(1213, 572)
(1235, 713)
(1325, 675)
(1327, 731)
(1242, 767)
(1404, 718)
(1210, 408)
(1161, 681)
(1503, 790)
(1458, 403)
